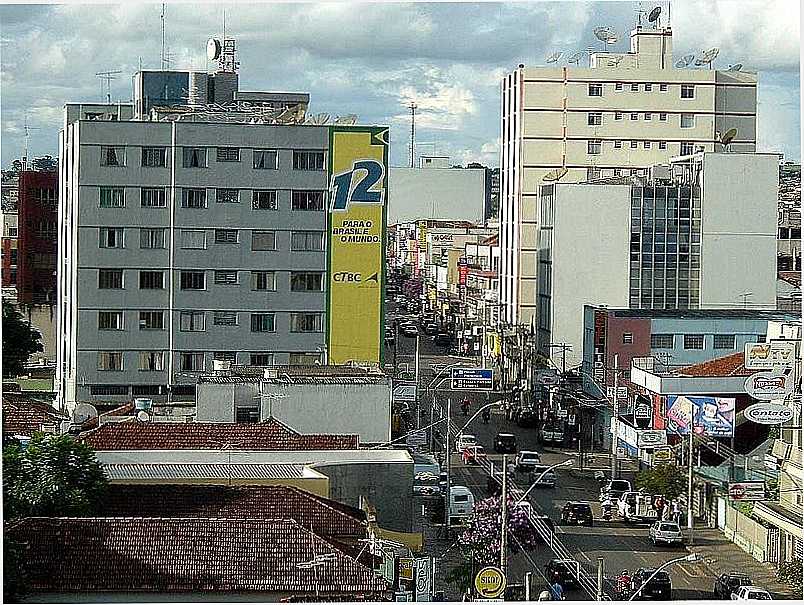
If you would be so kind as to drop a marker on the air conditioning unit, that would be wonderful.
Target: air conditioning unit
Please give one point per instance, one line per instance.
(221, 365)
(270, 373)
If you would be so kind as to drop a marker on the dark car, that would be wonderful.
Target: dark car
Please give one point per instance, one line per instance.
(505, 443)
(564, 570)
(577, 513)
(526, 418)
(727, 583)
(658, 588)
(430, 329)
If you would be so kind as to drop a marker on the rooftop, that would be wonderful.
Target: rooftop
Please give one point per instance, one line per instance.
(183, 554)
(289, 375)
(205, 471)
(730, 365)
(698, 313)
(268, 435)
(25, 416)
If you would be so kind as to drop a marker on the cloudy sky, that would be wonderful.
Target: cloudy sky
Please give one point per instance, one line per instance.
(373, 58)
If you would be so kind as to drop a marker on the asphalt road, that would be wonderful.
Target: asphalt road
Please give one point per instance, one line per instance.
(621, 546)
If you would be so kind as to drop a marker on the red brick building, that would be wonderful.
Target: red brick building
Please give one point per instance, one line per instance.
(37, 242)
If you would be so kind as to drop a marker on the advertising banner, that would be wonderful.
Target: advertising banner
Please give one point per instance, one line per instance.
(424, 581)
(712, 416)
(649, 439)
(774, 355)
(747, 491)
(358, 167)
(767, 386)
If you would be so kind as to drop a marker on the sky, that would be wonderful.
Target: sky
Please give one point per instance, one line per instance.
(372, 59)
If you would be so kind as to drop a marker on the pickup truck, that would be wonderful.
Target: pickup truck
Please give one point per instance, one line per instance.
(552, 434)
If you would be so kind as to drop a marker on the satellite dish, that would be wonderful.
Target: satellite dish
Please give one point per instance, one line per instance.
(615, 61)
(654, 14)
(707, 57)
(319, 119)
(680, 64)
(213, 49)
(575, 58)
(606, 34)
(84, 412)
(685, 61)
(347, 120)
(554, 57)
(555, 175)
(143, 416)
(727, 138)
(735, 67)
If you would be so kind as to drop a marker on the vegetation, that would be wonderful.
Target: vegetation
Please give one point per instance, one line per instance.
(790, 572)
(664, 479)
(19, 341)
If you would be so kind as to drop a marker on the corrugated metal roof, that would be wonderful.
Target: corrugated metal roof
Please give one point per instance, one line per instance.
(291, 380)
(129, 472)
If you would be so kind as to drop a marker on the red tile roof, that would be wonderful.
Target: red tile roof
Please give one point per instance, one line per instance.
(180, 554)
(791, 277)
(268, 435)
(328, 518)
(730, 365)
(25, 416)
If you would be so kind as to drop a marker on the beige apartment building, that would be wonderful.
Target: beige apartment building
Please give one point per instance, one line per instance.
(621, 115)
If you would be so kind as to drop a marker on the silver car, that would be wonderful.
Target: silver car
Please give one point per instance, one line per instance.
(666, 532)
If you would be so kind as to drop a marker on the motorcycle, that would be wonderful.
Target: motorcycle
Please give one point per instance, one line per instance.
(608, 510)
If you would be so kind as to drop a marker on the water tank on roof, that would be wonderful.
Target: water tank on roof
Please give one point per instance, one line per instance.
(141, 403)
(197, 94)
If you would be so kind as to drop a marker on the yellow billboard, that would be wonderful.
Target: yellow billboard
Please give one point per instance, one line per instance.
(358, 168)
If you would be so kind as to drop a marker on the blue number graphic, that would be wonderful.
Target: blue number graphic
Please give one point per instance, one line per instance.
(366, 190)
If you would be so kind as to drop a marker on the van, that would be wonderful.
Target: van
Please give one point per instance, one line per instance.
(461, 502)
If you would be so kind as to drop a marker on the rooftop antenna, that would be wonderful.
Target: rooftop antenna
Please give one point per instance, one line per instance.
(606, 35)
(685, 61)
(108, 76)
(575, 58)
(163, 59)
(27, 133)
(554, 57)
(707, 56)
(735, 67)
(412, 108)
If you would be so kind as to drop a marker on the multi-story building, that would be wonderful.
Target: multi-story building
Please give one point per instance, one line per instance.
(789, 243)
(38, 214)
(698, 234)
(621, 115)
(10, 254)
(436, 193)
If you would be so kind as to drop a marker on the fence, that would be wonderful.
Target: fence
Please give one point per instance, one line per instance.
(754, 538)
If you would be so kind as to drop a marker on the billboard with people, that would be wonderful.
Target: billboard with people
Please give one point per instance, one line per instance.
(712, 416)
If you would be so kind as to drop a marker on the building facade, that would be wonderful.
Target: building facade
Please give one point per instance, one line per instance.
(448, 194)
(621, 115)
(37, 243)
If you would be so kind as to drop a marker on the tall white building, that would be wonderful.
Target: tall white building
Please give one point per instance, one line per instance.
(619, 116)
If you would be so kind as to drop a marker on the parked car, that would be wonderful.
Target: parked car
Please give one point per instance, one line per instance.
(426, 485)
(405, 324)
(751, 593)
(728, 583)
(389, 336)
(526, 417)
(665, 532)
(566, 571)
(425, 463)
(546, 478)
(473, 454)
(430, 329)
(463, 441)
(410, 331)
(443, 339)
(505, 443)
(553, 434)
(526, 460)
(614, 489)
(577, 513)
(659, 586)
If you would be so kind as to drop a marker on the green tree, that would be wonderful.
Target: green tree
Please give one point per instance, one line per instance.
(19, 341)
(52, 476)
(663, 479)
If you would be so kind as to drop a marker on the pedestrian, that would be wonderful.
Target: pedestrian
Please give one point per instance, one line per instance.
(557, 591)
(676, 512)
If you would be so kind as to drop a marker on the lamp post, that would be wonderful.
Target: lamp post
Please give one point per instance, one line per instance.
(691, 558)
(541, 476)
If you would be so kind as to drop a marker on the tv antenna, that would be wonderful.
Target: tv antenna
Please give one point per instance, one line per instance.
(108, 76)
(554, 57)
(27, 130)
(727, 138)
(319, 119)
(685, 61)
(575, 58)
(555, 175)
(735, 67)
(163, 57)
(606, 35)
(349, 119)
(707, 56)
(412, 108)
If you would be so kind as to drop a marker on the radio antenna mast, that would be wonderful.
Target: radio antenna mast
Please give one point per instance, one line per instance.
(412, 108)
(162, 57)
(108, 76)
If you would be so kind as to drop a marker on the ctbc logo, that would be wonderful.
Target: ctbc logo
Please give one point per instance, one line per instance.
(346, 277)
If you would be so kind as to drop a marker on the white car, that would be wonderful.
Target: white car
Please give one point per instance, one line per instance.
(751, 593)
(464, 441)
(526, 460)
(666, 532)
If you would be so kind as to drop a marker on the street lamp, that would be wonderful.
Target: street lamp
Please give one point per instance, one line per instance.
(691, 558)
(541, 476)
(480, 409)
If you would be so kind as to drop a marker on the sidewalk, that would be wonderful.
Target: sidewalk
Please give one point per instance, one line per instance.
(721, 556)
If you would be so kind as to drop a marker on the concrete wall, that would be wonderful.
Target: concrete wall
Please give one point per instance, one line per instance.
(436, 193)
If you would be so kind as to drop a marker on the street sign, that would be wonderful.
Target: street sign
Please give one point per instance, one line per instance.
(774, 355)
(651, 438)
(490, 582)
(423, 579)
(769, 413)
(643, 414)
(662, 454)
(746, 491)
(406, 568)
(404, 392)
(474, 379)
(622, 393)
(767, 386)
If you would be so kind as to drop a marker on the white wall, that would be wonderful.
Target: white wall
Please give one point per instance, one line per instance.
(435, 193)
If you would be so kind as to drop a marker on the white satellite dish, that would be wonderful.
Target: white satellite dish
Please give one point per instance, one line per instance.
(213, 49)
(574, 59)
(654, 14)
(555, 175)
(84, 412)
(735, 67)
(554, 57)
(143, 416)
(319, 119)
(707, 56)
(685, 61)
(346, 120)
(606, 35)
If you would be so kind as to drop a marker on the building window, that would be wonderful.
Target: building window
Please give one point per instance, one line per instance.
(194, 157)
(693, 341)
(265, 159)
(593, 147)
(110, 279)
(112, 197)
(648, 87)
(306, 322)
(263, 280)
(263, 240)
(226, 278)
(634, 87)
(152, 320)
(628, 338)
(193, 239)
(307, 200)
(618, 144)
(152, 238)
(687, 148)
(227, 196)
(687, 120)
(618, 115)
(662, 87)
(662, 144)
(247, 415)
(193, 198)
(224, 318)
(306, 282)
(191, 362)
(113, 156)
(634, 116)
(110, 320)
(308, 160)
(262, 359)
(305, 359)
(262, 322)
(662, 117)
(152, 280)
(151, 361)
(225, 236)
(264, 200)
(661, 341)
(595, 90)
(307, 241)
(193, 280)
(618, 86)
(153, 197)
(154, 157)
(687, 91)
(592, 173)
(724, 341)
(634, 144)
(648, 117)
(230, 356)
(110, 237)
(594, 119)
(108, 389)
(227, 154)
(646, 144)
(192, 321)
(110, 361)
(617, 172)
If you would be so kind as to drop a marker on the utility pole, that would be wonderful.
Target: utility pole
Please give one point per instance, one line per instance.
(504, 512)
(412, 108)
(689, 474)
(163, 62)
(448, 496)
(615, 425)
(416, 373)
(600, 575)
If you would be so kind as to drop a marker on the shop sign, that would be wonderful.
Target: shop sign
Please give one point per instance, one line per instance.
(774, 355)
(490, 582)
(766, 386)
(662, 454)
(424, 580)
(406, 568)
(768, 413)
(747, 491)
(651, 438)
